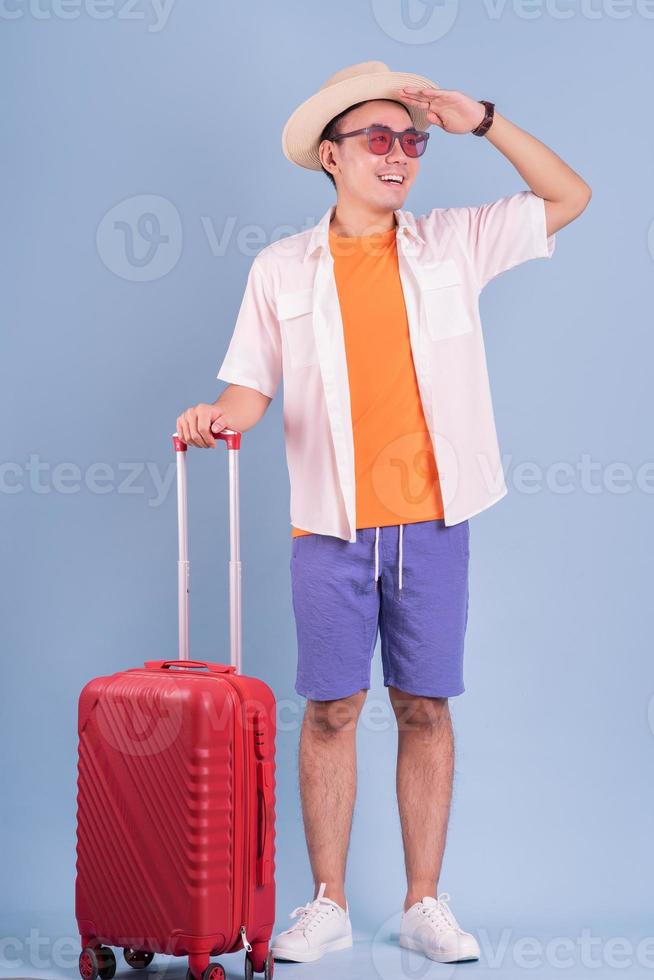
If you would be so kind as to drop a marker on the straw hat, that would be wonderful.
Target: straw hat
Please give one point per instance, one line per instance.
(358, 83)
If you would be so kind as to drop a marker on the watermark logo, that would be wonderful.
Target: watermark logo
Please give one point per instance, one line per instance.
(567, 9)
(404, 475)
(140, 727)
(508, 950)
(140, 239)
(40, 476)
(40, 951)
(154, 13)
(415, 21)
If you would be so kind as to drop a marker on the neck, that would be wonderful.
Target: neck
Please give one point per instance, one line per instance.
(354, 219)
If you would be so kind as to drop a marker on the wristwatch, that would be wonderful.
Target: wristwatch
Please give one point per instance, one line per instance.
(487, 121)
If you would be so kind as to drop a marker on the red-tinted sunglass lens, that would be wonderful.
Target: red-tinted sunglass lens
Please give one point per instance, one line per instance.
(413, 144)
(379, 140)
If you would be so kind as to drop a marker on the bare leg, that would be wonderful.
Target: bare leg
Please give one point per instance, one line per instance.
(425, 766)
(327, 766)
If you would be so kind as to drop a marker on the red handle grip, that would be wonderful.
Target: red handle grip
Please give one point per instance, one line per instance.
(230, 436)
(166, 664)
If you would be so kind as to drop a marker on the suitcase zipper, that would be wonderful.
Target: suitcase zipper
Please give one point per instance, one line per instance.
(245, 898)
(246, 875)
(248, 869)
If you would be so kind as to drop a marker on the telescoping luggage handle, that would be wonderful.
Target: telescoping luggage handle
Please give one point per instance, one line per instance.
(232, 440)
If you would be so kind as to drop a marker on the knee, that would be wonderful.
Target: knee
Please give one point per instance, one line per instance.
(335, 716)
(414, 711)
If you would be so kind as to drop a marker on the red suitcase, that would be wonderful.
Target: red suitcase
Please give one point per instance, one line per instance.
(176, 798)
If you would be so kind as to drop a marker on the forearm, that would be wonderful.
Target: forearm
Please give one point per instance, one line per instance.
(242, 407)
(547, 174)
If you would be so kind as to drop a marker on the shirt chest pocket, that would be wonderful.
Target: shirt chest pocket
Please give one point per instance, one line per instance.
(295, 314)
(443, 309)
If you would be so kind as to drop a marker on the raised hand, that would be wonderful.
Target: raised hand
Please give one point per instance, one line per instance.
(452, 111)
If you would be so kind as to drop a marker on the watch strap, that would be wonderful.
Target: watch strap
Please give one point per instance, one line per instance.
(487, 121)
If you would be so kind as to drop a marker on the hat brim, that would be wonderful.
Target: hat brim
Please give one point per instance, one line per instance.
(303, 128)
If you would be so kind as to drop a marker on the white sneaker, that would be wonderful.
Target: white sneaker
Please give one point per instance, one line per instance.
(323, 927)
(429, 927)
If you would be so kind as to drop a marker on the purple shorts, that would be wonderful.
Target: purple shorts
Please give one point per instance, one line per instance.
(408, 581)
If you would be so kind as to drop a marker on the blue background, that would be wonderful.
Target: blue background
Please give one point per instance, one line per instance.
(551, 830)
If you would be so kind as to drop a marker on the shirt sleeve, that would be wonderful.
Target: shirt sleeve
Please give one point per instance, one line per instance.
(505, 233)
(254, 354)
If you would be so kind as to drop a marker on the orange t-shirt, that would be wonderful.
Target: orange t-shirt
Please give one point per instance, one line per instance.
(396, 476)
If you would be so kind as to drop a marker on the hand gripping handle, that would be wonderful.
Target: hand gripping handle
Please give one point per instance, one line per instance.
(230, 436)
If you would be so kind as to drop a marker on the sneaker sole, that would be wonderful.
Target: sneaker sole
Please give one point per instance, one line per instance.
(412, 944)
(309, 956)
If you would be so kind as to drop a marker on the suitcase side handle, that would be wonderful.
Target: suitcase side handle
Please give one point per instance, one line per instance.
(167, 664)
(265, 823)
(232, 440)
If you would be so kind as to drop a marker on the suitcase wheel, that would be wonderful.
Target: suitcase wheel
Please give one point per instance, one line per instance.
(94, 963)
(213, 972)
(138, 959)
(268, 967)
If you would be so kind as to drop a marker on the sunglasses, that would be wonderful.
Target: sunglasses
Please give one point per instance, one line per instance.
(381, 139)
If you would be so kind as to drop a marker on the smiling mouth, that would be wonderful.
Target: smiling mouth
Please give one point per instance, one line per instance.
(394, 181)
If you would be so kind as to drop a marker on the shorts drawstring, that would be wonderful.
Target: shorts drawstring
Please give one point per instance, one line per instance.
(376, 554)
(399, 570)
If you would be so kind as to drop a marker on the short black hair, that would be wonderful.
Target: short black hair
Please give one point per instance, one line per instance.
(333, 129)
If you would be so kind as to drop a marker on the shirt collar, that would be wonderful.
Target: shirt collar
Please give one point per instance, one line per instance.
(319, 238)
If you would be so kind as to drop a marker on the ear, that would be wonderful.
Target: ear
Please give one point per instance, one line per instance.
(326, 154)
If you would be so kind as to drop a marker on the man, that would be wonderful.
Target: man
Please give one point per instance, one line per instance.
(372, 318)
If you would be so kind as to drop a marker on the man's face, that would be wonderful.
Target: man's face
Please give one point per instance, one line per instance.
(357, 171)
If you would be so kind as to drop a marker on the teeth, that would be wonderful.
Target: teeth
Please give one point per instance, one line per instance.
(395, 179)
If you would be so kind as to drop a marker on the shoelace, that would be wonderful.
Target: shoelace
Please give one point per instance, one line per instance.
(310, 914)
(440, 910)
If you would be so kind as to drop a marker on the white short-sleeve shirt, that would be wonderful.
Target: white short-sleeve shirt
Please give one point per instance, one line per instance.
(289, 324)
